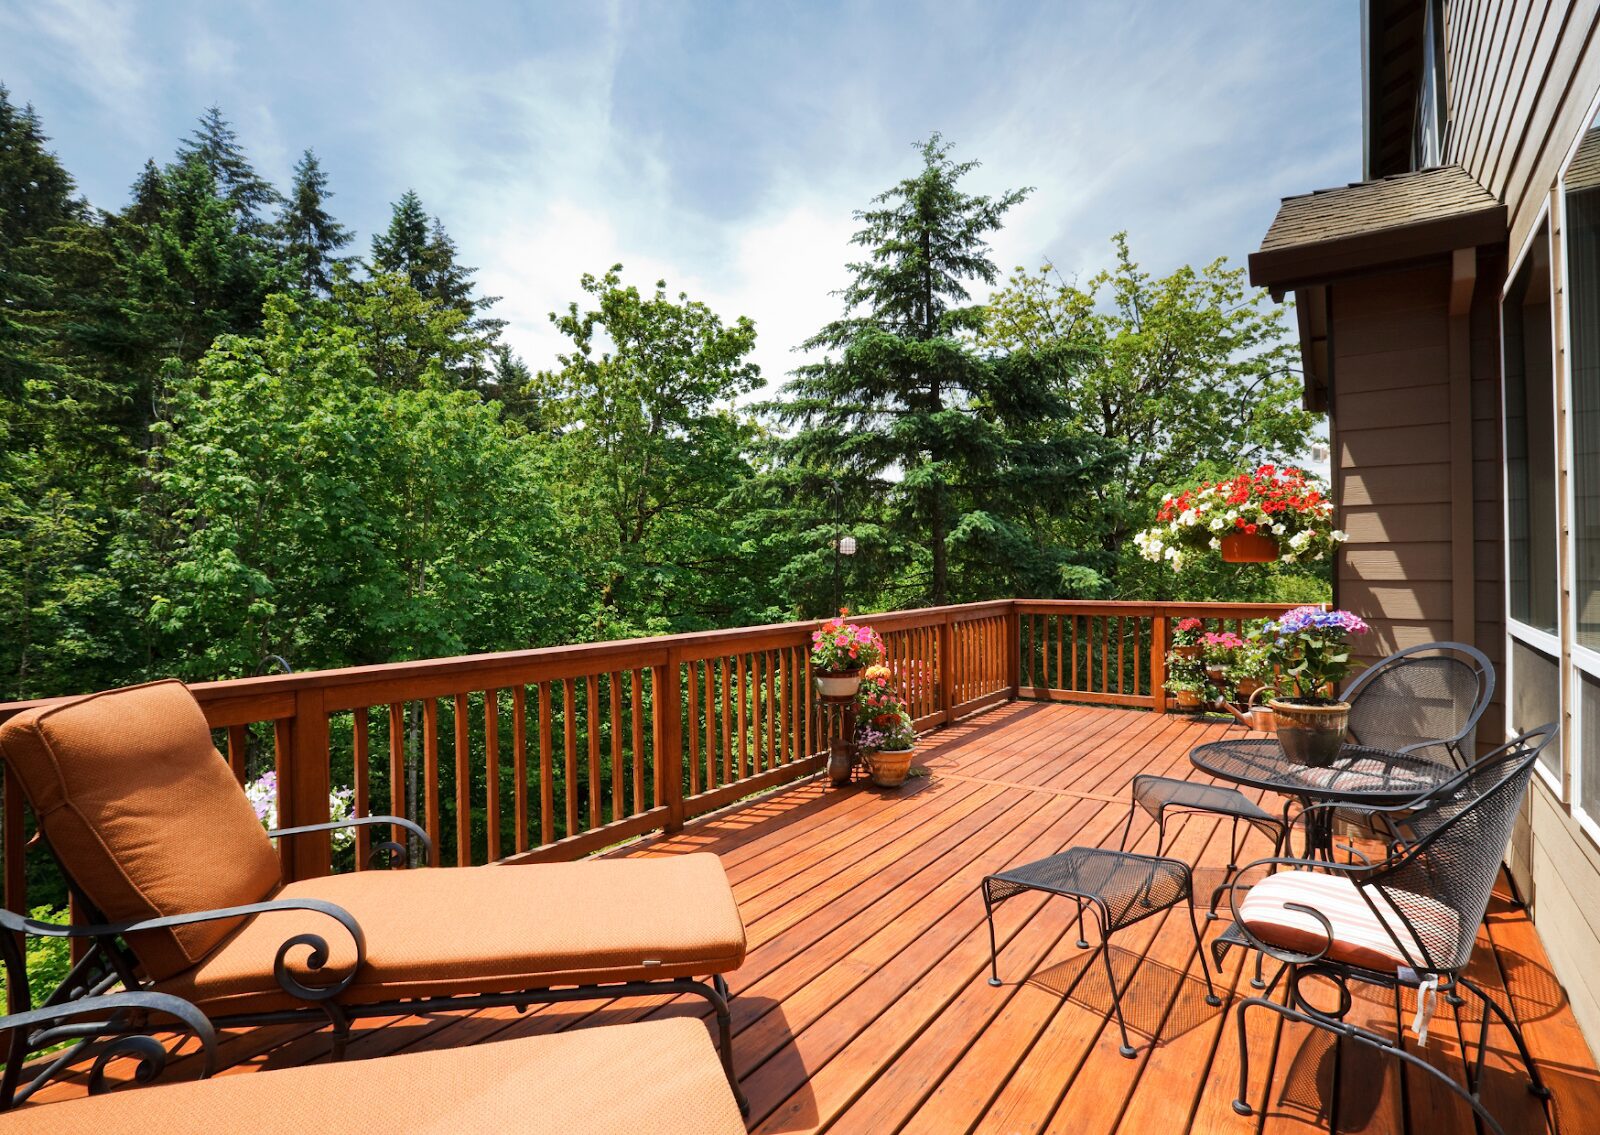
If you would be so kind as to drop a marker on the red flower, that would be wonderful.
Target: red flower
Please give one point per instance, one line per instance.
(1250, 529)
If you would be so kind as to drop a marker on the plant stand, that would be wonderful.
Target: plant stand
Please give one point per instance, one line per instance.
(843, 757)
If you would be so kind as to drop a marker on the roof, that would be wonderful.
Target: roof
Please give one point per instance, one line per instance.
(1369, 223)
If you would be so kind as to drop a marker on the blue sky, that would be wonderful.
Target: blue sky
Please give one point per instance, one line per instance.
(720, 146)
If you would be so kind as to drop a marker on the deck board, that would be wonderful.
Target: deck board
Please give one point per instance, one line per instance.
(862, 1007)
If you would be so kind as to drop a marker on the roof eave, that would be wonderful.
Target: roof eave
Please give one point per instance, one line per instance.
(1282, 270)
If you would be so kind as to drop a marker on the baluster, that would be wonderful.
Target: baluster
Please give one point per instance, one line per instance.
(636, 714)
(463, 781)
(547, 768)
(619, 795)
(591, 707)
(360, 806)
(519, 761)
(430, 771)
(491, 768)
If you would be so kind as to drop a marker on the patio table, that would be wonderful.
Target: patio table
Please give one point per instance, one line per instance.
(1360, 775)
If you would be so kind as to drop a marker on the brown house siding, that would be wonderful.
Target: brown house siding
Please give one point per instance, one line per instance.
(1519, 77)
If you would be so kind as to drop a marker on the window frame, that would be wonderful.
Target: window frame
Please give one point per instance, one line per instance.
(1540, 640)
(1584, 660)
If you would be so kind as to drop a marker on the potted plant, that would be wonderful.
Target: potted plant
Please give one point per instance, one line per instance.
(839, 653)
(888, 742)
(1187, 681)
(1250, 668)
(1272, 513)
(1186, 637)
(1219, 649)
(1310, 653)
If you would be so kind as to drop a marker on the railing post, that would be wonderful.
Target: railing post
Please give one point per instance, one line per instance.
(666, 702)
(947, 669)
(1014, 652)
(303, 788)
(1158, 661)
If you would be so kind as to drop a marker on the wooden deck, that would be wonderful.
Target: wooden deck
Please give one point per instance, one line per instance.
(863, 1005)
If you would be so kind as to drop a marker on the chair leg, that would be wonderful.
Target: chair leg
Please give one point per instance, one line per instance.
(1127, 828)
(994, 950)
(1536, 1083)
(719, 1002)
(1116, 997)
(1083, 943)
(1200, 948)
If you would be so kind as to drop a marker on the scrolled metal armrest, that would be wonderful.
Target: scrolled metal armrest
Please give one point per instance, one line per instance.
(113, 1010)
(368, 821)
(314, 943)
(1279, 953)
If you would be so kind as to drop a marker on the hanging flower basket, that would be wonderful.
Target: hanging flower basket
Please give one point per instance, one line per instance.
(1249, 548)
(840, 651)
(1271, 514)
(837, 685)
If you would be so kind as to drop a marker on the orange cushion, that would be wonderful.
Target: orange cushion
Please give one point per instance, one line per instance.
(661, 1077)
(143, 812)
(494, 929)
(1361, 938)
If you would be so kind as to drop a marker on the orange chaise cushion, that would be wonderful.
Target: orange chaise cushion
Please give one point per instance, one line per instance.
(143, 812)
(500, 929)
(652, 1078)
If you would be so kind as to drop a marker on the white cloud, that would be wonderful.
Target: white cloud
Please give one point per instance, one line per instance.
(91, 44)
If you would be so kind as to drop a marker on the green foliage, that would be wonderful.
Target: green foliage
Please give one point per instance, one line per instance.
(1188, 370)
(48, 959)
(648, 453)
(311, 237)
(913, 426)
(323, 517)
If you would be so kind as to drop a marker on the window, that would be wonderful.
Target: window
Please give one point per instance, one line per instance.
(1530, 442)
(1589, 745)
(1583, 313)
(1427, 133)
(1535, 697)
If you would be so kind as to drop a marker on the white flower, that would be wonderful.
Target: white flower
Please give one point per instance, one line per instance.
(1215, 542)
(1288, 557)
(1217, 523)
(1300, 539)
(1338, 536)
(1233, 514)
(1189, 517)
(1277, 530)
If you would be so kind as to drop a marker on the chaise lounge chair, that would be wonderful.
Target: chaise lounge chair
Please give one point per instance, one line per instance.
(165, 855)
(656, 1076)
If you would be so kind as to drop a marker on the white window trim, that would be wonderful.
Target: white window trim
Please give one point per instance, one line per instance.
(1543, 641)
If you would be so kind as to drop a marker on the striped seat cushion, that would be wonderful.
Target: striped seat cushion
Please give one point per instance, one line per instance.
(1361, 938)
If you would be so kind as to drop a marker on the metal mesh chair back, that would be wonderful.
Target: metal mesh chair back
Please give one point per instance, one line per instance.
(1425, 700)
(1439, 882)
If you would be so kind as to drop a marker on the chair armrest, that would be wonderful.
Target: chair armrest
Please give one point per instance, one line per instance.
(395, 849)
(111, 1015)
(315, 944)
(1289, 957)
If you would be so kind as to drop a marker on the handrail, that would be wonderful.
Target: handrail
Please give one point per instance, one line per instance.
(570, 749)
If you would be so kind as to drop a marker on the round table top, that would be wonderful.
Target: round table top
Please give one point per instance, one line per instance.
(1358, 775)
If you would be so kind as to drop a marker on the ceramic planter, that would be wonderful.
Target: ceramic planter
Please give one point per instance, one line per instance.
(1311, 733)
(1187, 699)
(890, 767)
(1249, 548)
(837, 685)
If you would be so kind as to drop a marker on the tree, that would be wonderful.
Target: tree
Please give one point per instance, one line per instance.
(905, 409)
(325, 518)
(420, 249)
(215, 145)
(1189, 371)
(649, 446)
(311, 237)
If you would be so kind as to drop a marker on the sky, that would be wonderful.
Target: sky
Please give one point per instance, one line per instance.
(722, 147)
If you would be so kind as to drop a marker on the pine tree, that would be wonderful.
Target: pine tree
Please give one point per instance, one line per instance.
(418, 248)
(900, 389)
(403, 246)
(215, 145)
(311, 236)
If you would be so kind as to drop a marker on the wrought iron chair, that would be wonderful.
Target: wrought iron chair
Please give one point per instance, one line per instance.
(1410, 920)
(1424, 700)
(1161, 796)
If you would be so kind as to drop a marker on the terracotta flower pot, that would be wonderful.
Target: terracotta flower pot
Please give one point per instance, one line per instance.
(1248, 686)
(1249, 548)
(1187, 699)
(890, 767)
(1218, 675)
(1311, 734)
(1192, 650)
(837, 685)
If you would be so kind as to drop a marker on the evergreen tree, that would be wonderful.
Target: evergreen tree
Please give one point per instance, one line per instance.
(418, 248)
(904, 409)
(311, 236)
(215, 145)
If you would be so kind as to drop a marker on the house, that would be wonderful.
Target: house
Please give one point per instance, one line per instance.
(1449, 320)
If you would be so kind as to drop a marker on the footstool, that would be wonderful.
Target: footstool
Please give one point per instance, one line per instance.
(1121, 887)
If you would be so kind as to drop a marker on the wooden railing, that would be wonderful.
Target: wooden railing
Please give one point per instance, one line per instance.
(556, 753)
